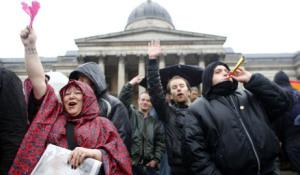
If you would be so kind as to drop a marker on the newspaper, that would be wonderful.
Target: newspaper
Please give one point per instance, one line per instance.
(54, 161)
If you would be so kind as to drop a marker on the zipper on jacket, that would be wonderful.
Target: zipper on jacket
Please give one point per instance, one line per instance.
(249, 137)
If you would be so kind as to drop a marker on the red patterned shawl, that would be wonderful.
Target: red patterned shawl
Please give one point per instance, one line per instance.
(91, 131)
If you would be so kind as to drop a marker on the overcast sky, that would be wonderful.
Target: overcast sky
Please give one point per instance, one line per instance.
(251, 26)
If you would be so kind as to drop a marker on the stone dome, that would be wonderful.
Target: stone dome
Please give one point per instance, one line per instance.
(149, 14)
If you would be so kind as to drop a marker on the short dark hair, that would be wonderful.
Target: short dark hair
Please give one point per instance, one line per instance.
(176, 77)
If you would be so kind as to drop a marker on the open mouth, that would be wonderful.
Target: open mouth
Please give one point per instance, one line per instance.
(72, 104)
(180, 94)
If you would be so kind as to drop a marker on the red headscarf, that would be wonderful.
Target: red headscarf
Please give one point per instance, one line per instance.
(91, 131)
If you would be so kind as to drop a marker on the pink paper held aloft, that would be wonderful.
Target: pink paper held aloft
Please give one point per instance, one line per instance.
(31, 10)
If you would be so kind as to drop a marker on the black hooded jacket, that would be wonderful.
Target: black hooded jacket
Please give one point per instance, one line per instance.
(282, 80)
(110, 106)
(286, 130)
(172, 117)
(13, 118)
(229, 133)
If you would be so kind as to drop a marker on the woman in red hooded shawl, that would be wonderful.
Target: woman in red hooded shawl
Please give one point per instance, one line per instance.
(95, 136)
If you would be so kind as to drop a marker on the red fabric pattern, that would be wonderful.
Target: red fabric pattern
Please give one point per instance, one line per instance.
(91, 131)
(27, 89)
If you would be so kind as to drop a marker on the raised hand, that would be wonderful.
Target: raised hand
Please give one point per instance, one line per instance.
(34, 67)
(28, 37)
(136, 80)
(154, 49)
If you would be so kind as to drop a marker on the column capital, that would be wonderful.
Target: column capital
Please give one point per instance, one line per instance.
(141, 55)
(181, 54)
(121, 55)
(100, 55)
(122, 59)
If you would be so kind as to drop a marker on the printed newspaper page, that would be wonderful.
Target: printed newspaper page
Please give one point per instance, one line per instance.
(54, 161)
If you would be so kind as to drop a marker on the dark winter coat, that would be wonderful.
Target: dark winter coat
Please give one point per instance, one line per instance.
(231, 134)
(148, 138)
(287, 131)
(111, 107)
(172, 117)
(13, 118)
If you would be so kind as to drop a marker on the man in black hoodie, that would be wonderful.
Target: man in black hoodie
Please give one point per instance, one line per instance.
(13, 118)
(110, 106)
(287, 128)
(170, 111)
(228, 132)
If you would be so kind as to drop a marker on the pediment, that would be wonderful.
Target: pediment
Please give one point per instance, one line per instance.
(148, 34)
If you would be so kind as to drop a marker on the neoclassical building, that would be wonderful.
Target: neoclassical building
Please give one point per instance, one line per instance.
(122, 55)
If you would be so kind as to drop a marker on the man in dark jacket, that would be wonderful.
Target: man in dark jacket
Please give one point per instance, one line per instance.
(287, 129)
(228, 132)
(110, 106)
(147, 131)
(13, 118)
(170, 111)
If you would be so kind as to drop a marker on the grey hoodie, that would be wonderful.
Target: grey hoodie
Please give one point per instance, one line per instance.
(110, 106)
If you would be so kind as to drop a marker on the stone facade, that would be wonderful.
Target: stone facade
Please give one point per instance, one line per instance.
(122, 55)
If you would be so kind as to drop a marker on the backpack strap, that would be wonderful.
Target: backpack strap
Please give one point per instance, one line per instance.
(108, 106)
(70, 136)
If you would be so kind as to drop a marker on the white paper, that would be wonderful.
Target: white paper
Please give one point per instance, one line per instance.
(54, 161)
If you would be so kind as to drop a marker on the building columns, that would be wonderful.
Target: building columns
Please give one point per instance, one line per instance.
(101, 64)
(121, 73)
(162, 62)
(141, 70)
(181, 58)
(201, 61)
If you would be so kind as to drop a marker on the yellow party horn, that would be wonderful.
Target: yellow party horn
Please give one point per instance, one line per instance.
(238, 64)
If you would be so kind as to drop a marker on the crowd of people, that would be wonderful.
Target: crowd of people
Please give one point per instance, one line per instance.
(174, 130)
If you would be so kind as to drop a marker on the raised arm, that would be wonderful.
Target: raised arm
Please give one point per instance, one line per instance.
(33, 63)
(274, 100)
(156, 92)
(272, 97)
(126, 93)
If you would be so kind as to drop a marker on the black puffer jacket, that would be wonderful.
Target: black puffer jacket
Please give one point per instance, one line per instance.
(172, 117)
(110, 106)
(231, 135)
(13, 118)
